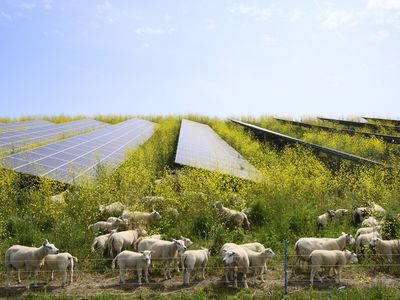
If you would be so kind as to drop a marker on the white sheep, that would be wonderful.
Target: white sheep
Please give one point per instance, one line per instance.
(193, 260)
(258, 260)
(364, 230)
(30, 258)
(385, 248)
(165, 251)
(235, 260)
(153, 200)
(322, 220)
(123, 240)
(330, 259)
(374, 208)
(256, 246)
(138, 217)
(60, 263)
(341, 212)
(114, 209)
(129, 259)
(370, 222)
(108, 226)
(100, 242)
(364, 240)
(304, 246)
(233, 217)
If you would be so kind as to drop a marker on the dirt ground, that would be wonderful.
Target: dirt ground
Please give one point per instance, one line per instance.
(94, 283)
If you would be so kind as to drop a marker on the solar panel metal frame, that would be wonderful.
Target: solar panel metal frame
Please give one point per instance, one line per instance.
(385, 137)
(213, 153)
(360, 124)
(24, 125)
(289, 139)
(11, 141)
(45, 161)
(394, 122)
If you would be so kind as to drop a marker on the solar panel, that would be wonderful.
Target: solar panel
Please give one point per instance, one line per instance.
(75, 159)
(199, 146)
(23, 125)
(361, 124)
(12, 141)
(380, 120)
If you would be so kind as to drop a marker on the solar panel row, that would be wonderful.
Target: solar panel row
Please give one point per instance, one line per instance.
(199, 146)
(23, 125)
(74, 159)
(13, 140)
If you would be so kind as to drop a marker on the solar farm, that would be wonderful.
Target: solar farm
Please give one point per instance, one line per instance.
(278, 172)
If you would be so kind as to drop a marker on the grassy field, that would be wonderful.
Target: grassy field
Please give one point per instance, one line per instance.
(299, 186)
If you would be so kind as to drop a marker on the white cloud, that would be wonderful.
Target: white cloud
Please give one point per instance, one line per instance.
(253, 11)
(100, 8)
(153, 31)
(382, 35)
(384, 12)
(338, 18)
(268, 38)
(210, 25)
(295, 15)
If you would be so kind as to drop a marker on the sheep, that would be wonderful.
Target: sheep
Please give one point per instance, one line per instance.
(107, 226)
(18, 257)
(100, 242)
(59, 262)
(60, 198)
(364, 230)
(385, 248)
(257, 247)
(123, 240)
(193, 260)
(152, 200)
(304, 246)
(341, 212)
(364, 239)
(330, 258)
(258, 261)
(114, 209)
(359, 214)
(322, 220)
(165, 251)
(233, 217)
(370, 222)
(137, 217)
(374, 208)
(236, 260)
(129, 259)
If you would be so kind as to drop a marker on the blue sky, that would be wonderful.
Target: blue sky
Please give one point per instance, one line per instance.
(286, 58)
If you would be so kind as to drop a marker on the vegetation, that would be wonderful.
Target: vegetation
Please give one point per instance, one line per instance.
(298, 187)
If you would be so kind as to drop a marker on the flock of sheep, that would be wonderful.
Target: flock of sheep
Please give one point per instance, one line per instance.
(125, 229)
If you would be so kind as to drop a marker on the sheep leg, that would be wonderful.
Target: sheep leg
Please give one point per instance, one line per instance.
(186, 276)
(245, 280)
(203, 269)
(28, 279)
(166, 265)
(18, 275)
(64, 280)
(47, 277)
(8, 276)
(121, 276)
(71, 275)
(52, 275)
(339, 275)
(146, 274)
(35, 278)
(262, 274)
(226, 271)
(235, 279)
(139, 272)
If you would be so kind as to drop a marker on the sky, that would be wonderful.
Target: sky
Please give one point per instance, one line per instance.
(218, 58)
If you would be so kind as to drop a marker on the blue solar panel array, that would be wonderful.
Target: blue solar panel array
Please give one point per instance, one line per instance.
(12, 141)
(75, 159)
(199, 146)
(23, 125)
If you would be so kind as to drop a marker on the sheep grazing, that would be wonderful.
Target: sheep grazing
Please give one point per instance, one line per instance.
(322, 220)
(341, 212)
(364, 239)
(359, 214)
(112, 210)
(138, 217)
(233, 217)
(108, 226)
(30, 258)
(59, 263)
(194, 260)
(258, 261)
(123, 240)
(330, 259)
(235, 260)
(100, 242)
(385, 248)
(130, 260)
(364, 230)
(304, 246)
(165, 251)
(370, 222)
